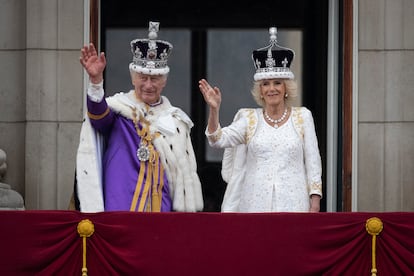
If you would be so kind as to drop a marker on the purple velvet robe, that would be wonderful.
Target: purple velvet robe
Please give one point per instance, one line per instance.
(120, 162)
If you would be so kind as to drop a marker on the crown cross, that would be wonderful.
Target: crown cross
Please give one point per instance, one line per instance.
(285, 62)
(270, 62)
(153, 28)
(138, 54)
(164, 54)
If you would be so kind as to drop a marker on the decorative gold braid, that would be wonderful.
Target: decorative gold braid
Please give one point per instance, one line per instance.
(252, 122)
(85, 230)
(374, 226)
(217, 135)
(153, 170)
(298, 120)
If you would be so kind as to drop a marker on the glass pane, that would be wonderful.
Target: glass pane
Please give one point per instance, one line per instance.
(230, 67)
(119, 56)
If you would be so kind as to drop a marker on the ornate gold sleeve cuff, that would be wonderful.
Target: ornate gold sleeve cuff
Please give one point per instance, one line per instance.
(215, 136)
(98, 117)
(316, 189)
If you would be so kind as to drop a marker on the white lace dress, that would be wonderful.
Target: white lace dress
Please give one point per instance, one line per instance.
(274, 167)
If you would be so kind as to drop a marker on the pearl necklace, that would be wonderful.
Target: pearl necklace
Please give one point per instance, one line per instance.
(277, 121)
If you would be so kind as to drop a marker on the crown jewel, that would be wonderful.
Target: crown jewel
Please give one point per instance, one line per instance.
(273, 61)
(150, 56)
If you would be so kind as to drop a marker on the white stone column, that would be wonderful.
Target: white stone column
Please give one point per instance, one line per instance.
(54, 100)
(385, 101)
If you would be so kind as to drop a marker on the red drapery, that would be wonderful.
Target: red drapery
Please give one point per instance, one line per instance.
(126, 243)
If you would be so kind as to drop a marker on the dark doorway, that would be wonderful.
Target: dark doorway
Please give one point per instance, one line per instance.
(199, 22)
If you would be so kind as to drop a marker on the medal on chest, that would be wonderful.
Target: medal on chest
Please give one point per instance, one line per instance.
(146, 150)
(143, 152)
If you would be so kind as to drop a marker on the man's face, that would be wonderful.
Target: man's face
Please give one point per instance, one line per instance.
(148, 88)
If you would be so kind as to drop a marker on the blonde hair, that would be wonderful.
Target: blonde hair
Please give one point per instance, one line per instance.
(291, 90)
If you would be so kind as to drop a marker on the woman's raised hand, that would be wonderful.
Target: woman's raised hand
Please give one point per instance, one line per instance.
(211, 95)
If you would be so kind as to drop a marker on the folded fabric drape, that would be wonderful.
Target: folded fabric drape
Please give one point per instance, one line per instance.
(131, 243)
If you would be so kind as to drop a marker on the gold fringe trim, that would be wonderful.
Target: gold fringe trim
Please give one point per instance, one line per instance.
(85, 230)
(374, 226)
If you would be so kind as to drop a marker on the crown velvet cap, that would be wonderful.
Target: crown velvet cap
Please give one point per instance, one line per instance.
(150, 55)
(273, 61)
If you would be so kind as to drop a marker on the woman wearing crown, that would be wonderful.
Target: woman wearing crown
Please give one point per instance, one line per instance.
(271, 161)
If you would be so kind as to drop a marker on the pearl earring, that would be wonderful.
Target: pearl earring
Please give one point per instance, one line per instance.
(286, 95)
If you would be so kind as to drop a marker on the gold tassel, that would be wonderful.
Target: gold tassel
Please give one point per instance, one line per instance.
(85, 230)
(138, 187)
(374, 226)
(146, 189)
(157, 193)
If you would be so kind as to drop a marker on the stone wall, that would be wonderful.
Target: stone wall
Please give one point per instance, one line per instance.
(385, 105)
(42, 100)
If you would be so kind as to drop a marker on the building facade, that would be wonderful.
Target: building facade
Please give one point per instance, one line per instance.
(43, 85)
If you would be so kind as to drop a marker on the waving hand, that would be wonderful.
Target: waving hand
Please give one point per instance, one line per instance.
(93, 63)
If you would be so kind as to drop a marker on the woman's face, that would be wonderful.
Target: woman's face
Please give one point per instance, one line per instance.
(273, 91)
(148, 88)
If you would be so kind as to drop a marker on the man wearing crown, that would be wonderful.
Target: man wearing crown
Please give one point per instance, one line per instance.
(135, 151)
